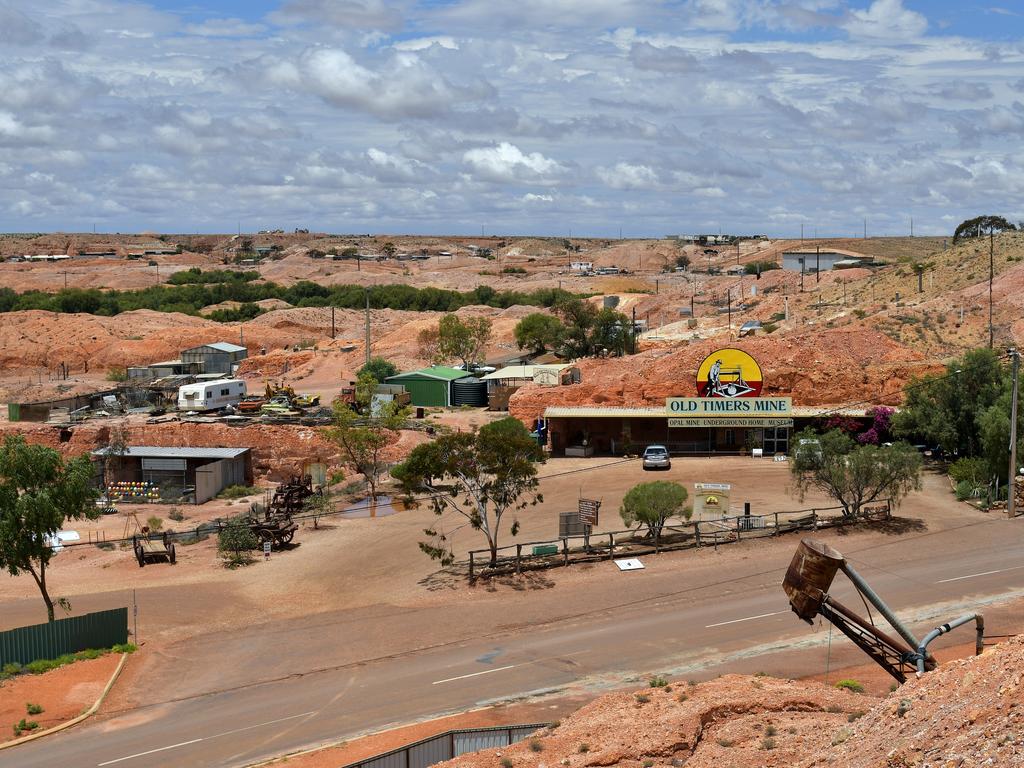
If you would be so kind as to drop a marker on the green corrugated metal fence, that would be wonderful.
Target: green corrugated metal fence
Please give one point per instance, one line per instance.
(101, 629)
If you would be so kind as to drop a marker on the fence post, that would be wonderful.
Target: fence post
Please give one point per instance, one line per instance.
(888, 509)
(565, 551)
(737, 529)
(696, 532)
(472, 577)
(611, 546)
(519, 555)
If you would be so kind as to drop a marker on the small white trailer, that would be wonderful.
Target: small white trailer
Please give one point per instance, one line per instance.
(211, 395)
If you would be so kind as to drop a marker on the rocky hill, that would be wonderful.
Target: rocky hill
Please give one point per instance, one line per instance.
(967, 713)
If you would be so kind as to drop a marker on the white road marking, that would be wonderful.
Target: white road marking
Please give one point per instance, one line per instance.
(475, 674)
(983, 573)
(748, 618)
(150, 752)
(203, 738)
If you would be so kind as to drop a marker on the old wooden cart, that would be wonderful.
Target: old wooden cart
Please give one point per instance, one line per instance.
(150, 550)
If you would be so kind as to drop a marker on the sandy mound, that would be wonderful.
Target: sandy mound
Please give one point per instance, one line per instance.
(967, 713)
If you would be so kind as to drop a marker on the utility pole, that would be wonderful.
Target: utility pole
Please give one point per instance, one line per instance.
(728, 299)
(801, 232)
(991, 277)
(634, 330)
(1011, 491)
(911, 226)
(367, 325)
(817, 263)
(332, 322)
(865, 227)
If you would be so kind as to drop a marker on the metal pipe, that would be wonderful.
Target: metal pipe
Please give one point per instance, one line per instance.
(979, 643)
(876, 601)
(889, 640)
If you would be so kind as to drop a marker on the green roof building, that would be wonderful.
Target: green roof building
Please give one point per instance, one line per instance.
(429, 386)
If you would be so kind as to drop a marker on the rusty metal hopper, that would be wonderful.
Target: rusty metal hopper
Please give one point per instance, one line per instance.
(809, 577)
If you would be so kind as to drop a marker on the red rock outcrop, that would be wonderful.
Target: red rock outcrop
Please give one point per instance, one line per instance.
(823, 368)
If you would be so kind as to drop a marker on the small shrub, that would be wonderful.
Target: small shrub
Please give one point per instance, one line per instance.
(682, 697)
(513, 271)
(117, 374)
(155, 523)
(124, 648)
(769, 327)
(105, 545)
(583, 749)
(33, 709)
(506, 762)
(25, 725)
(791, 730)
(658, 682)
(761, 674)
(768, 743)
(648, 764)
(771, 730)
(176, 515)
(642, 698)
(724, 742)
(893, 687)
(850, 685)
(833, 709)
(11, 669)
(88, 654)
(855, 716)
(860, 314)
(904, 707)
(237, 492)
(536, 745)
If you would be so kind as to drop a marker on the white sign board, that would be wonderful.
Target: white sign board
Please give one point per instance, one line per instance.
(266, 549)
(629, 564)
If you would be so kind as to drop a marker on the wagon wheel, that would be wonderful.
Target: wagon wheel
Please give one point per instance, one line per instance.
(171, 556)
(286, 538)
(265, 535)
(138, 554)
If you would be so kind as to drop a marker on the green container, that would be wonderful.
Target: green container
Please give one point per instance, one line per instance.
(546, 549)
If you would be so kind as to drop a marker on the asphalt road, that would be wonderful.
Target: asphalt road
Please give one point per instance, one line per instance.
(688, 632)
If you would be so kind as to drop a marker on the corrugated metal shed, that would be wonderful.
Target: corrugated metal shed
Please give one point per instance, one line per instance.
(612, 412)
(226, 346)
(162, 452)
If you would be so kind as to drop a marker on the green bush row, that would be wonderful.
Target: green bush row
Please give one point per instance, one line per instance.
(191, 298)
(39, 666)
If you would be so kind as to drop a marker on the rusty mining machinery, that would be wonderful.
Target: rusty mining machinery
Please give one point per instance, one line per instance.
(807, 583)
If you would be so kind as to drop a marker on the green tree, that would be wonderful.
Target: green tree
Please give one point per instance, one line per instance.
(682, 260)
(39, 490)
(389, 249)
(482, 476)
(944, 410)
(981, 225)
(538, 332)
(350, 253)
(364, 435)
(994, 434)
(235, 541)
(379, 368)
(653, 504)
(462, 340)
(589, 331)
(853, 475)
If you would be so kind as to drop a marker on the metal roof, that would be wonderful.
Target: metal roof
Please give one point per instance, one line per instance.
(160, 452)
(221, 346)
(523, 371)
(440, 372)
(613, 412)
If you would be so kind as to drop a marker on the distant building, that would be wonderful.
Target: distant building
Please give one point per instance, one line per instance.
(581, 266)
(218, 357)
(810, 260)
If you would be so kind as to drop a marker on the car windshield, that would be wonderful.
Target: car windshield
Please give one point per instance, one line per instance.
(656, 451)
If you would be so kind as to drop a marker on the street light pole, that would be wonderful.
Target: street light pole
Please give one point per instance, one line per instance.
(991, 277)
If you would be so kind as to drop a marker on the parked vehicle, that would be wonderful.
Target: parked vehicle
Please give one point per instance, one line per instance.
(656, 457)
(211, 395)
(251, 404)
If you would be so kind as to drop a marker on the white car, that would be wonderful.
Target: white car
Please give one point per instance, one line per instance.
(656, 457)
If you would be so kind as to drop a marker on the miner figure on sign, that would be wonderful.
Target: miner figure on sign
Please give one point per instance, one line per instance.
(714, 384)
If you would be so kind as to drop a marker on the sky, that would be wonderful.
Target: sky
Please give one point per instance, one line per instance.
(546, 117)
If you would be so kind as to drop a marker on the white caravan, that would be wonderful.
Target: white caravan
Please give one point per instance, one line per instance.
(210, 395)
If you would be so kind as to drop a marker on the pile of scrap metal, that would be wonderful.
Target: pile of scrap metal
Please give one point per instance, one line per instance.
(807, 584)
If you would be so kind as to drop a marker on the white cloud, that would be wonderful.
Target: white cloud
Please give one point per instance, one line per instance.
(887, 20)
(507, 163)
(627, 176)
(348, 14)
(225, 28)
(530, 197)
(422, 43)
(402, 85)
